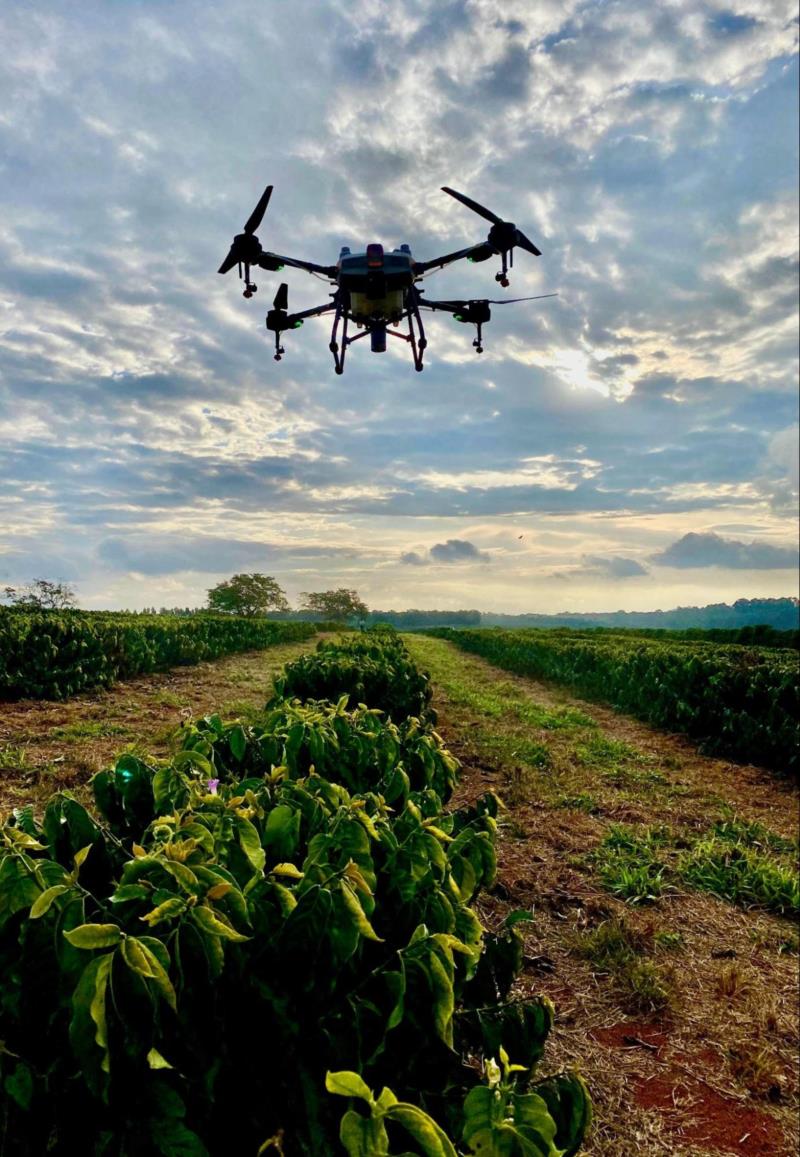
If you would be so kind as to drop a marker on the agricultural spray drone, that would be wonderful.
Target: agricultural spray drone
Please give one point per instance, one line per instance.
(376, 290)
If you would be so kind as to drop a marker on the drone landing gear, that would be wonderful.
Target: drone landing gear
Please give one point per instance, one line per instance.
(416, 338)
(478, 342)
(333, 346)
(377, 333)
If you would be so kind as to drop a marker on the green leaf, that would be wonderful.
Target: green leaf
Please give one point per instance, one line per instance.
(196, 761)
(347, 1084)
(42, 905)
(19, 1085)
(431, 1139)
(363, 1136)
(251, 843)
(238, 742)
(94, 935)
(570, 1106)
(282, 831)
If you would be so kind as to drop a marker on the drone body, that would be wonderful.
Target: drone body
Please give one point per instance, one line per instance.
(376, 290)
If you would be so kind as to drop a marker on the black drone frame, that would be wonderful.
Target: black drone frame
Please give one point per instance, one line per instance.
(503, 237)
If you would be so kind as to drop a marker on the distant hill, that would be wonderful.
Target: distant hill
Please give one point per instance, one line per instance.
(780, 614)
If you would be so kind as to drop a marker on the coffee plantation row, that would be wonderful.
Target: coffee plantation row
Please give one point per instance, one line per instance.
(267, 945)
(738, 701)
(53, 655)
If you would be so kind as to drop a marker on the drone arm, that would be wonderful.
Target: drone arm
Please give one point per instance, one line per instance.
(479, 252)
(275, 261)
(445, 306)
(315, 311)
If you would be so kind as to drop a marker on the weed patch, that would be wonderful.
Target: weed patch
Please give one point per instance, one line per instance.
(629, 863)
(741, 874)
(616, 950)
(582, 802)
(752, 834)
(89, 729)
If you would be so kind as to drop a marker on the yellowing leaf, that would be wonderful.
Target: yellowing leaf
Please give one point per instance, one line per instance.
(215, 925)
(141, 959)
(219, 890)
(42, 905)
(94, 935)
(80, 856)
(289, 870)
(347, 1084)
(352, 873)
(97, 1008)
(360, 920)
(164, 911)
(156, 1061)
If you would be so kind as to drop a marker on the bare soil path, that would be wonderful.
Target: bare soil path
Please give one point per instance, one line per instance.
(47, 746)
(679, 1009)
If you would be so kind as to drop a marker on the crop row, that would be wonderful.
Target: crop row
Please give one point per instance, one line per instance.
(53, 655)
(249, 941)
(739, 702)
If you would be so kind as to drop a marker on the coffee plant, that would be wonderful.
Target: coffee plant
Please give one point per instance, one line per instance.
(738, 701)
(373, 668)
(267, 944)
(55, 655)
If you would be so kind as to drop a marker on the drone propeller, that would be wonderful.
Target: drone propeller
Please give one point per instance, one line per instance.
(246, 248)
(503, 235)
(257, 216)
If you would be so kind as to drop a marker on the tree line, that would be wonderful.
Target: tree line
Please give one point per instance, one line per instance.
(241, 594)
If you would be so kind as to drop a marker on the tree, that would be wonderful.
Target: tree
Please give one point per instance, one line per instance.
(337, 605)
(247, 594)
(42, 595)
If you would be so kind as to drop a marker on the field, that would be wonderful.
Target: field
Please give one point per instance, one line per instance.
(660, 883)
(678, 1005)
(738, 701)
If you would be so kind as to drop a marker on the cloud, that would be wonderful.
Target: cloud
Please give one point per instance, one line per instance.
(454, 550)
(650, 151)
(616, 567)
(457, 550)
(698, 550)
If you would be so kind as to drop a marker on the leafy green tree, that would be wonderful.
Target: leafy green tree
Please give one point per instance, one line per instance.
(339, 605)
(42, 595)
(247, 594)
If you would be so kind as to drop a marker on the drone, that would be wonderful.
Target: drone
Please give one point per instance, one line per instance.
(376, 291)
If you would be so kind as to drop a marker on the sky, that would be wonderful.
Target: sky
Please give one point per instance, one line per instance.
(631, 443)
